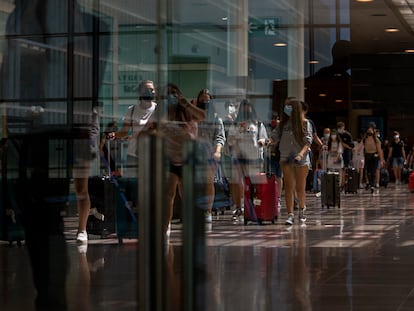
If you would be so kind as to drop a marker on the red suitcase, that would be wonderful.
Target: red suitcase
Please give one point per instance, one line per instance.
(261, 198)
(411, 182)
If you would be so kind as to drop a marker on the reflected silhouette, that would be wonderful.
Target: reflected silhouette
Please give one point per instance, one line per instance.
(51, 104)
(328, 91)
(341, 61)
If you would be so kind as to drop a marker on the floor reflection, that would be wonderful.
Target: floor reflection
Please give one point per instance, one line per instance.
(358, 257)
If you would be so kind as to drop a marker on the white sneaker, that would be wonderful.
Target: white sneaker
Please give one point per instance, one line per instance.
(168, 232)
(209, 218)
(290, 219)
(302, 214)
(82, 237)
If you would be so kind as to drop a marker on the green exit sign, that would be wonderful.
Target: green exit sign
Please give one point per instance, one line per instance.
(265, 26)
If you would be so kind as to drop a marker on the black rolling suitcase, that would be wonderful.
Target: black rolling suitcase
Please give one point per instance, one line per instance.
(126, 208)
(10, 215)
(101, 220)
(25, 188)
(330, 191)
(11, 227)
(113, 201)
(351, 180)
(384, 177)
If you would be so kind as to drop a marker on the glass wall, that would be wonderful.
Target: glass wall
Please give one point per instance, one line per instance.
(64, 63)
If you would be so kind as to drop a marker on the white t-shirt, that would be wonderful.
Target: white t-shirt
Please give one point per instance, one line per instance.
(138, 118)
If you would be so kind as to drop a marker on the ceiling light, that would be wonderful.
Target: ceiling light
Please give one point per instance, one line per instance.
(364, 0)
(279, 44)
(224, 18)
(313, 62)
(391, 29)
(409, 51)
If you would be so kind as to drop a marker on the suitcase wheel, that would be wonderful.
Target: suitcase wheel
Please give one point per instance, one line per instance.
(245, 221)
(259, 221)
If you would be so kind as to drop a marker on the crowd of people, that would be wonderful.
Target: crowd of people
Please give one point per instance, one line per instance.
(243, 145)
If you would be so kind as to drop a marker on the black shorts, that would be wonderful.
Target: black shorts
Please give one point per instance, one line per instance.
(177, 170)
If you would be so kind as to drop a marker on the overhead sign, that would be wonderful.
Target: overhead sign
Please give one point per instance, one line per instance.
(266, 26)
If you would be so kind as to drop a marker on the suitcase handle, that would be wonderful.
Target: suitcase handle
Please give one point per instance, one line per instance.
(124, 199)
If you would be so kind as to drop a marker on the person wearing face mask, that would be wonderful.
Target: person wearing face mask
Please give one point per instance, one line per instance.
(358, 160)
(319, 167)
(231, 110)
(246, 138)
(397, 157)
(134, 121)
(347, 143)
(211, 139)
(335, 151)
(180, 127)
(324, 145)
(372, 153)
(326, 135)
(294, 136)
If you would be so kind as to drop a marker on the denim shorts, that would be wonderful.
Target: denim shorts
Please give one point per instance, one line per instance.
(398, 162)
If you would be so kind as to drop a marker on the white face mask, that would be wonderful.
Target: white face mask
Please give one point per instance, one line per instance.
(326, 136)
(232, 109)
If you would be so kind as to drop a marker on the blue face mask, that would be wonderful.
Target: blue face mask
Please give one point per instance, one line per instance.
(172, 99)
(288, 110)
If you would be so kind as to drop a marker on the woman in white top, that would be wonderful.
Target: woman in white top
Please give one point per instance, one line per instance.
(246, 138)
(134, 121)
(335, 151)
(358, 160)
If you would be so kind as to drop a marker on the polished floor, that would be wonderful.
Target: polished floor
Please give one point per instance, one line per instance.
(358, 257)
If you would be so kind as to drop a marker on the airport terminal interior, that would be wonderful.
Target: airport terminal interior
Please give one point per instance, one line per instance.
(114, 115)
(356, 257)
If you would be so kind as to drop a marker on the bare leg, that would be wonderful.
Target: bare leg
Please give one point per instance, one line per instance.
(289, 185)
(83, 202)
(173, 182)
(300, 177)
